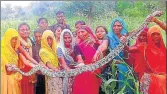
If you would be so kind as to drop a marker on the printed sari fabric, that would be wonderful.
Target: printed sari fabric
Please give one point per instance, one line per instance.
(69, 55)
(10, 83)
(114, 41)
(156, 63)
(87, 82)
(48, 54)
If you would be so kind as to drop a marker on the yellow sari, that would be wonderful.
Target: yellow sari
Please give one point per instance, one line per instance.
(48, 54)
(9, 83)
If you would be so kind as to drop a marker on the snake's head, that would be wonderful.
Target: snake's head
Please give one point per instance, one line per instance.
(158, 13)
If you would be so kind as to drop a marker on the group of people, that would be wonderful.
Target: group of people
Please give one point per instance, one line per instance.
(56, 48)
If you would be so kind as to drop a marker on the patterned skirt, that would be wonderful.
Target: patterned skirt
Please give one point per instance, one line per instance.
(53, 85)
(67, 85)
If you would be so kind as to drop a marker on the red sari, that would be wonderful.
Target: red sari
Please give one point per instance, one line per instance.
(156, 63)
(87, 82)
(27, 82)
(137, 57)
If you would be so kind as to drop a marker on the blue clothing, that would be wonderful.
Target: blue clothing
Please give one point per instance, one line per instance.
(68, 82)
(114, 41)
(76, 52)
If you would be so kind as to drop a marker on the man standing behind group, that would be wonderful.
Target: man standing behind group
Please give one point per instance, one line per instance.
(43, 24)
(60, 17)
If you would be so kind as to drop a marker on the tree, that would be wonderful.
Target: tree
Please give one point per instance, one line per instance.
(7, 10)
(89, 9)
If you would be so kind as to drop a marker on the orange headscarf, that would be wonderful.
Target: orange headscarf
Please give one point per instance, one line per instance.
(155, 56)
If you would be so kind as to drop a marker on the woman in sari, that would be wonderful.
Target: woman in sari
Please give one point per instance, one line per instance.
(154, 80)
(27, 82)
(11, 53)
(101, 32)
(87, 82)
(68, 53)
(136, 58)
(50, 59)
(78, 24)
(114, 37)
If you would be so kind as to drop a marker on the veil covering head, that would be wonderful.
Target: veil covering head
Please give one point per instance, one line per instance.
(47, 53)
(62, 46)
(145, 30)
(7, 50)
(156, 56)
(9, 54)
(87, 28)
(114, 41)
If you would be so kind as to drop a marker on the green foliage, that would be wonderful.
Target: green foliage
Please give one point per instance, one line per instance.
(104, 20)
(71, 21)
(102, 14)
(136, 10)
(108, 86)
(122, 5)
(133, 13)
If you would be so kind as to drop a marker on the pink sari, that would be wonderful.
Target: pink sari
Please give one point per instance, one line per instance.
(87, 82)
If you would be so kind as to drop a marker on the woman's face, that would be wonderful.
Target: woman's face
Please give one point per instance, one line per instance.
(143, 37)
(67, 39)
(156, 38)
(117, 27)
(13, 42)
(24, 31)
(100, 33)
(82, 34)
(58, 32)
(50, 41)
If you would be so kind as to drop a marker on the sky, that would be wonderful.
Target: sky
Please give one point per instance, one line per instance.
(16, 3)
